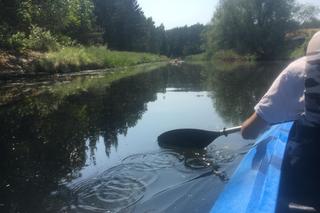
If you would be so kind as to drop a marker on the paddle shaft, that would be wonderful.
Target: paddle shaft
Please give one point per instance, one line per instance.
(227, 131)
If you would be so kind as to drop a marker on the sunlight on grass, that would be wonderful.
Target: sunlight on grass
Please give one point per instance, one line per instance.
(72, 59)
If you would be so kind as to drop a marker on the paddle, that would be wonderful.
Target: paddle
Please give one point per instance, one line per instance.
(192, 138)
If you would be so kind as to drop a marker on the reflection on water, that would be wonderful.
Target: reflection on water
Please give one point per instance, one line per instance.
(237, 89)
(122, 186)
(93, 148)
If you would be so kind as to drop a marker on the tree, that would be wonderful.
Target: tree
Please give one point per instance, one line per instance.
(251, 26)
(183, 41)
(305, 12)
(307, 16)
(123, 23)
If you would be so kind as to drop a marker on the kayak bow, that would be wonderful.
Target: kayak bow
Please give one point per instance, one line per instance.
(254, 185)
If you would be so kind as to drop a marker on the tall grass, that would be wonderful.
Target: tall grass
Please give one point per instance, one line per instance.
(222, 56)
(197, 57)
(71, 59)
(232, 56)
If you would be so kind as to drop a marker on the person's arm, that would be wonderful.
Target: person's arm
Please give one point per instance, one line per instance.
(253, 126)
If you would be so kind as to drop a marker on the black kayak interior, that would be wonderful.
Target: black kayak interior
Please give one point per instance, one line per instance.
(300, 172)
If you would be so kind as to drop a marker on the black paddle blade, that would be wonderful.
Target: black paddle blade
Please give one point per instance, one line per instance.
(187, 138)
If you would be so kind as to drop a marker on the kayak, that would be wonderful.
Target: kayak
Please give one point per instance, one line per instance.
(254, 186)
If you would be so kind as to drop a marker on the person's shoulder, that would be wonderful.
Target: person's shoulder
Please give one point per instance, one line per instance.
(297, 67)
(298, 62)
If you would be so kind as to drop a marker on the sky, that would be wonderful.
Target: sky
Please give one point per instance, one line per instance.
(177, 13)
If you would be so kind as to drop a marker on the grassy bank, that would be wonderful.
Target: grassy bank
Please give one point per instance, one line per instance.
(295, 47)
(222, 56)
(73, 59)
(197, 57)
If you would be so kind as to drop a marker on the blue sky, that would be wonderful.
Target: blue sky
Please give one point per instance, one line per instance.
(174, 13)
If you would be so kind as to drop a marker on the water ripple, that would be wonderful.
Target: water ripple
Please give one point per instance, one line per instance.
(114, 190)
(102, 195)
(221, 156)
(122, 186)
(198, 163)
(157, 160)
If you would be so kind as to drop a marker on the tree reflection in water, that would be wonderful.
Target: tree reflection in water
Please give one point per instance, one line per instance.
(236, 89)
(44, 139)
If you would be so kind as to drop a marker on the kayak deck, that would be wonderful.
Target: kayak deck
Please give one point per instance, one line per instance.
(255, 184)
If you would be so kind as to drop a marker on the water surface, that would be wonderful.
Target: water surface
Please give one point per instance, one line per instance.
(85, 146)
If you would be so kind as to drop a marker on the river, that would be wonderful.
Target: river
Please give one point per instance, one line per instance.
(85, 146)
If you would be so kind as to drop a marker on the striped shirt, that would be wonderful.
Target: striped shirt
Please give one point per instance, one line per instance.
(312, 90)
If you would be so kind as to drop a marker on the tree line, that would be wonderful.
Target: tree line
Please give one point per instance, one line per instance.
(257, 27)
(119, 24)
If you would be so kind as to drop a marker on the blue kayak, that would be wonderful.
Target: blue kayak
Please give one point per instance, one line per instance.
(254, 186)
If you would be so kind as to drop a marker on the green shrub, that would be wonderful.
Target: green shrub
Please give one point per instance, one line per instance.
(38, 39)
(18, 41)
(196, 57)
(4, 29)
(230, 55)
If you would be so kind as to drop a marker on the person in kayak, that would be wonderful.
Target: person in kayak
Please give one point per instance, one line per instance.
(295, 95)
(299, 188)
(285, 99)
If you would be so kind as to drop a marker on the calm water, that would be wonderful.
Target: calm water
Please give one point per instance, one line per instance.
(84, 146)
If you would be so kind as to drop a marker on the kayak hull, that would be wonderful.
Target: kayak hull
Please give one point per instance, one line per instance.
(254, 186)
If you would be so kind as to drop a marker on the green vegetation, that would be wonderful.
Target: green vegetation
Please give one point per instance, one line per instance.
(38, 39)
(72, 59)
(119, 24)
(69, 35)
(196, 57)
(25, 20)
(250, 26)
(231, 55)
(184, 41)
(298, 42)
(257, 29)
(67, 85)
(72, 33)
(99, 82)
(222, 56)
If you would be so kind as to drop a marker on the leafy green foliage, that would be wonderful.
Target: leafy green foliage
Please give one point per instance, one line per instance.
(183, 41)
(126, 28)
(38, 39)
(305, 14)
(39, 24)
(230, 55)
(251, 26)
(119, 24)
(297, 42)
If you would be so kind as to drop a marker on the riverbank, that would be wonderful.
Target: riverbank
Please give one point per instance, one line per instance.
(227, 56)
(295, 47)
(66, 84)
(71, 59)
